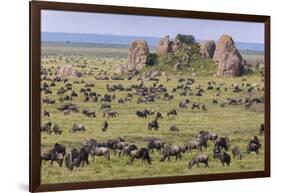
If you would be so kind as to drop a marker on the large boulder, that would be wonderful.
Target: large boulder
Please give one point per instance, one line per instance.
(67, 70)
(165, 46)
(227, 57)
(138, 55)
(207, 48)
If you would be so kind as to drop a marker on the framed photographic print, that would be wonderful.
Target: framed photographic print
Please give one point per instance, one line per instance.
(123, 96)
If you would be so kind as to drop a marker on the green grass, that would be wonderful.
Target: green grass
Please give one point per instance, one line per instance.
(235, 121)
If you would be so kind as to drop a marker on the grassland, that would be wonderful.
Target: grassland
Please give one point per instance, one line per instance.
(238, 123)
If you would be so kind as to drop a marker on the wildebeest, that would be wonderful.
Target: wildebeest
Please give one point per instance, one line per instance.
(52, 155)
(201, 158)
(104, 126)
(194, 144)
(153, 125)
(172, 112)
(59, 148)
(174, 128)
(57, 129)
(76, 158)
(100, 151)
(155, 144)
(222, 142)
(46, 113)
(110, 114)
(208, 135)
(170, 150)
(261, 130)
(89, 113)
(236, 152)
(255, 140)
(127, 149)
(142, 153)
(77, 127)
(47, 128)
(223, 157)
(143, 113)
(252, 147)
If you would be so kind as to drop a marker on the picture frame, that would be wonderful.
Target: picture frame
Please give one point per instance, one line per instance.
(36, 7)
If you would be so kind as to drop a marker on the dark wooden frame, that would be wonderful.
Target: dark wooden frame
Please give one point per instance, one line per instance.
(34, 99)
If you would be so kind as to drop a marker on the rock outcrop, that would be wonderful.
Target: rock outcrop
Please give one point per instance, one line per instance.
(227, 57)
(138, 55)
(166, 46)
(207, 48)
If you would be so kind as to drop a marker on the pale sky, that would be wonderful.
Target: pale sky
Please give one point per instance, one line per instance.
(99, 23)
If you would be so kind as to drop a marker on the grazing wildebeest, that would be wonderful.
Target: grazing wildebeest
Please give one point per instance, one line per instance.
(172, 112)
(223, 157)
(142, 153)
(155, 144)
(252, 147)
(46, 113)
(208, 136)
(57, 129)
(201, 158)
(100, 151)
(59, 148)
(110, 114)
(77, 127)
(194, 144)
(222, 142)
(47, 128)
(52, 156)
(76, 158)
(141, 113)
(261, 130)
(159, 115)
(183, 104)
(89, 113)
(236, 152)
(127, 149)
(153, 125)
(104, 126)
(170, 150)
(174, 128)
(195, 106)
(105, 106)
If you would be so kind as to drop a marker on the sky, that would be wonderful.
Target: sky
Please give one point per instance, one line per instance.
(100, 23)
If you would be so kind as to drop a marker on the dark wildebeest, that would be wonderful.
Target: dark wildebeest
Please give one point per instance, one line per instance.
(100, 151)
(104, 126)
(236, 152)
(202, 158)
(77, 127)
(76, 158)
(195, 106)
(174, 128)
(47, 128)
(208, 136)
(155, 144)
(89, 113)
(52, 156)
(57, 129)
(127, 149)
(59, 148)
(170, 150)
(222, 142)
(143, 113)
(46, 113)
(159, 115)
(261, 130)
(172, 112)
(223, 157)
(255, 140)
(153, 125)
(252, 147)
(142, 153)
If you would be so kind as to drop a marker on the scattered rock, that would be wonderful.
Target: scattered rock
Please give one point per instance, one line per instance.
(227, 57)
(138, 55)
(166, 46)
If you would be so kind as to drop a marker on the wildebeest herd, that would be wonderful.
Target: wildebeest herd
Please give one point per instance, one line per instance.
(167, 122)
